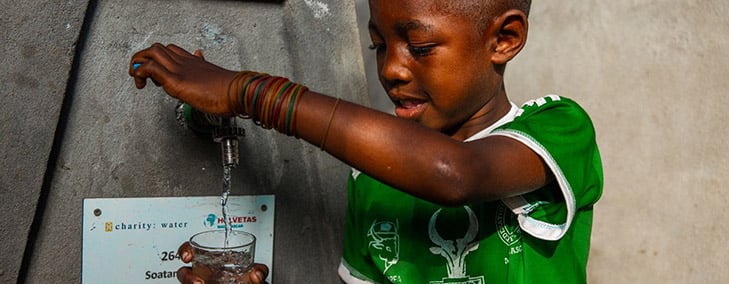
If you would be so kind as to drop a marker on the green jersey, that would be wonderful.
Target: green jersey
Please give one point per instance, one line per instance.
(539, 237)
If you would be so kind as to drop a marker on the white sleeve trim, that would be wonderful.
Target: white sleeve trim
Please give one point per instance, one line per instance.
(522, 208)
(346, 275)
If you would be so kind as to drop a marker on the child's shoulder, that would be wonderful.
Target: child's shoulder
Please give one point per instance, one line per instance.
(555, 106)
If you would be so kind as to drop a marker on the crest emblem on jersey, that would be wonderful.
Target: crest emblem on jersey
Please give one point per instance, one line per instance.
(455, 251)
(384, 239)
(507, 226)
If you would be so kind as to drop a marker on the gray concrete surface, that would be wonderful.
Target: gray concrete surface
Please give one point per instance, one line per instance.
(121, 142)
(38, 42)
(651, 73)
(653, 76)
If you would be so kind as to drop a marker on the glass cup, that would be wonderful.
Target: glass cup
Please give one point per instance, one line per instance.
(218, 262)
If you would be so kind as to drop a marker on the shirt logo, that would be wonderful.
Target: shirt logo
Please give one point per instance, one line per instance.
(455, 251)
(384, 239)
(507, 226)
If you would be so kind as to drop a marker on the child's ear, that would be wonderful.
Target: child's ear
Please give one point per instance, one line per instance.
(510, 31)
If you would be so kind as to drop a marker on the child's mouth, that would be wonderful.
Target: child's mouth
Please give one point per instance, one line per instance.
(409, 109)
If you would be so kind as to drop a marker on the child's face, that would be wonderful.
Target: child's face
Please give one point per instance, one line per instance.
(436, 68)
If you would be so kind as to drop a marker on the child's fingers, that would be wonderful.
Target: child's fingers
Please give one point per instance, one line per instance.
(139, 82)
(185, 275)
(157, 53)
(199, 53)
(163, 55)
(258, 273)
(152, 70)
(185, 252)
(179, 51)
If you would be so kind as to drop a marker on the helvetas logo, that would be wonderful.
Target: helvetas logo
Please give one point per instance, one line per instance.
(215, 221)
(210, 220)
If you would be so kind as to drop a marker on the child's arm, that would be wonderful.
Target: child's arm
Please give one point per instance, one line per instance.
(404, 154)
(418, 160)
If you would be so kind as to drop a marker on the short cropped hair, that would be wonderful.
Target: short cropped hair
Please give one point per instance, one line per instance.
(482, 11)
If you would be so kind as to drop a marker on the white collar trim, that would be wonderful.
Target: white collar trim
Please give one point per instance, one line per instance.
(509, 117)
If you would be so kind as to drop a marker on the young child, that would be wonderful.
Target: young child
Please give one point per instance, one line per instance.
(462, 186)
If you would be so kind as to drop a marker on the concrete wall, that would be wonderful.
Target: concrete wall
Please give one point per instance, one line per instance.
(38, 45)
(116, 141)
(651, 73)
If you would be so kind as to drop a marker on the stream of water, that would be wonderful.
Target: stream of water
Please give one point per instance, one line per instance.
(224, 200)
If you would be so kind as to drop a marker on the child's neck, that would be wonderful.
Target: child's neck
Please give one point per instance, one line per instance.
(491, 112)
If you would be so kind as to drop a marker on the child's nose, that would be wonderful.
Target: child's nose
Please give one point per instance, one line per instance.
(394, 68)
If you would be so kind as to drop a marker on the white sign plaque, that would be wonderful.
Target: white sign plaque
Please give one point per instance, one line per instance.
(135, 240)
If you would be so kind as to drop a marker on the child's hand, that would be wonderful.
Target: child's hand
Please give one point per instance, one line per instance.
(257, 274)
(185, 76)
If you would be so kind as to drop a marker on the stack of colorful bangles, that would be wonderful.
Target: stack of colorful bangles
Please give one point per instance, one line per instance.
(270, 101)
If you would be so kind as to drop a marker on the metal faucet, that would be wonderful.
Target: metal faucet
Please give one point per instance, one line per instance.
(227, 135)
(223, 130)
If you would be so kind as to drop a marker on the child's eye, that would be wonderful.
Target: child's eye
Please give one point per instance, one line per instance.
(376, 46)
(418, 51)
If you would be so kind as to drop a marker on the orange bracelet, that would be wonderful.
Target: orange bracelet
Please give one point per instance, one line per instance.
(294, 106)
(329, 125)
(233, 105)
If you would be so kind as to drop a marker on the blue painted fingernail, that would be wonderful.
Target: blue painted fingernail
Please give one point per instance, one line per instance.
(136, 65)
